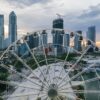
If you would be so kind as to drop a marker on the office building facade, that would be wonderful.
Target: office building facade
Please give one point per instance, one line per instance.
(66, 41)
(12, 27)
(1, 32)
(91, 34)
(33, 40)
(43, 38)
(77, 41)
(91, 37)
(58, 35)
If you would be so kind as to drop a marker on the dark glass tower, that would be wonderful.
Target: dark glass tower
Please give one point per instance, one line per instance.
(58, 23)
(66, 42)
(1, 31)
(33, 40)
(43, 38)
(12, 27)
(58, 35)
(77, 41)
(91, 36)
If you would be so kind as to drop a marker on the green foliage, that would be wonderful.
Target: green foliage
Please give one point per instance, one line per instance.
(80, 87)
(80, 95)
(18, 66)
(70, 57)
(1, 98)
(3, 76)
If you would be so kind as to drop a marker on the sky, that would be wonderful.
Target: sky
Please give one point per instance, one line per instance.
(39, 14)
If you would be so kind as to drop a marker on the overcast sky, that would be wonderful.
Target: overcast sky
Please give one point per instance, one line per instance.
(39, 14)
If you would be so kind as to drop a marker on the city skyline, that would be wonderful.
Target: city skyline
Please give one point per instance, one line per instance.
(40, 14)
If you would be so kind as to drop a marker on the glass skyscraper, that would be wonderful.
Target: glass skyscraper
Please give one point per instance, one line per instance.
(43, 38)
(33, 40)
(58, 35)
(1, 31)
(66, 41)
(12, 27)
(77, 41)
(91, 34)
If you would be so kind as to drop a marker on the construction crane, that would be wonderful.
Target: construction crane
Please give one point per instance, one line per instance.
(59, 15)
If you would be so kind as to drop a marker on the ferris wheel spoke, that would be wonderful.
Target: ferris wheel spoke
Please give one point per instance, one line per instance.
(78, 52)
(22, 95)
(20, 74)
(45, 58)
(54, 68)
(58, 98)
(68, 96)
(81, 91)
(80, 99)
(73, 66)
(85, 51)
(32, 53)
(54, 74)
(48, 98)
(91, 80)
(96, 72)
(77, 75)
(5, 51)
(64, 63)
(11, 83)
(82, 83)
(26, 66)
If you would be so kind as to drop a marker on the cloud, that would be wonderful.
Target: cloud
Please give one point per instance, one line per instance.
(92, 12)
(24, 3)
(81, 20)
(36, 14)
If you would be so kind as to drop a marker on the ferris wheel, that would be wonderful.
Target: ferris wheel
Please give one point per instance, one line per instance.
(40, 66)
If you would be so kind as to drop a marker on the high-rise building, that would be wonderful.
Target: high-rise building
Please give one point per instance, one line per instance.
(77, 41)
(30, 41)
(91, 34)
(58, 35)
(43, 38)
(66, 41)
(58, 23)
(12, 27)
(91, 37)
(6, 43)
(1, 32)
(33, 40)
(22, 49)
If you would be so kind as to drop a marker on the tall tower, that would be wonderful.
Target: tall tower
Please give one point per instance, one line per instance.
(77, 41)
(66, 41)
(1, 32)
(12, 27)
(91, 34)
(43, 38)
(58, 35)
(35, 39)
(58, 23)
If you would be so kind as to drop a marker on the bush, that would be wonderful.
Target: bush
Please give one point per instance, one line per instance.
(3, 76)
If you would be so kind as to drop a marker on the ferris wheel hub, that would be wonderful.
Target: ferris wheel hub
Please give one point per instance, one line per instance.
(52, 92)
